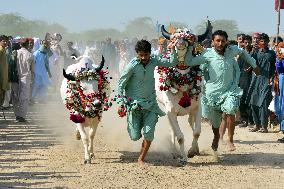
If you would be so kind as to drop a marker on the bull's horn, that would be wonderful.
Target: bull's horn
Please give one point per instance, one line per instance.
(202, 37)
(101, 65)
(166, 34)
(74, 56)
(68, 76)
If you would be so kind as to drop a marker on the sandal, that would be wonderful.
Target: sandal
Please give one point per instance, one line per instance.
(281, 140)
(262, 130)
(254, 129)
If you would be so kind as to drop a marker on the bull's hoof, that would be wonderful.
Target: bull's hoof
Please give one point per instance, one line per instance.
(78, 136)
(182, 162)
(87, 161)
(176, 156)
(191, 153)
(92, 156)
(216, 156)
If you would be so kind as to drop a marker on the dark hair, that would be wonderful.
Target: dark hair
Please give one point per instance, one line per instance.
(143, 46)
(248, 38)
(3, 37)
(241, 34)
(279, 39)
(16, 46)
(221, 33)
(263, 36)
(232, 42)
(25, 42)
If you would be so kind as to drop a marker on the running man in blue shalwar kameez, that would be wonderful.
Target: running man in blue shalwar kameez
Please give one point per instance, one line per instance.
(137, 82)
(221, 93)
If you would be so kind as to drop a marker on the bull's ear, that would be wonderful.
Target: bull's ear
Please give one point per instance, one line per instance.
(207, 33)
(64, 73)
(68, 76)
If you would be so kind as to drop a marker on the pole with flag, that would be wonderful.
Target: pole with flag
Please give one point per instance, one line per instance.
(279, 4)
(158, 28)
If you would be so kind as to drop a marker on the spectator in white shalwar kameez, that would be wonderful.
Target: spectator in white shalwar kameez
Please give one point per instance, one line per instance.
(21, 89)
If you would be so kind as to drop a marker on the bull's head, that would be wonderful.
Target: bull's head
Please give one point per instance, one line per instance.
(88, 82)
(98, 69)
(184, 38)
(186, 33)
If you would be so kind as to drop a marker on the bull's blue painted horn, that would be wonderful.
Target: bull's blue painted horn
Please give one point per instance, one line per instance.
(206, 33)
(101, 65)
(166, 34)
(70, 77)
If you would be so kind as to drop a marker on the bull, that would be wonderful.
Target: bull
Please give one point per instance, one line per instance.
(85, 91)
(178, 89)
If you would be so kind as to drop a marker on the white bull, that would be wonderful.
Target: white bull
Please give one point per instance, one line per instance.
(171, 98)
(89, 86)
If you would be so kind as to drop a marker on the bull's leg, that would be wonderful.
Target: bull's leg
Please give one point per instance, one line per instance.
(92, 133)
(85, 141)
(178, 134)
(195, 123)
(174, 150)
(78, 136)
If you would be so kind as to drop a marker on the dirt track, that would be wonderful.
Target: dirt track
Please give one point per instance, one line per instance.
(44, 154)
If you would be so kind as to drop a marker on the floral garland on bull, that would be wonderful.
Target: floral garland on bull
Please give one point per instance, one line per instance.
(87, 105)
(172, 80)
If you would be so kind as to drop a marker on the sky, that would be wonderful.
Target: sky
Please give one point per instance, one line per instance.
(80, 15)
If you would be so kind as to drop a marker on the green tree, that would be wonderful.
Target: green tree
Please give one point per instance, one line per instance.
(12, 24)
(101, 34)
(16, 25)
(230, 26)
(140, 27)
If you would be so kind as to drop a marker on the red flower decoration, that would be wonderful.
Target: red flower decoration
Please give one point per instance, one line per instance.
(77, 118)
(121, 111)
(185, 101)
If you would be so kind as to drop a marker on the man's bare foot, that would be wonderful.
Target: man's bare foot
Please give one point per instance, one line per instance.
(141, 162)
(231, 146)
(221, 140)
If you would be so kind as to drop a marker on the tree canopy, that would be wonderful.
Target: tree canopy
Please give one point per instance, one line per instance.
(16, 25)
(230, 26)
